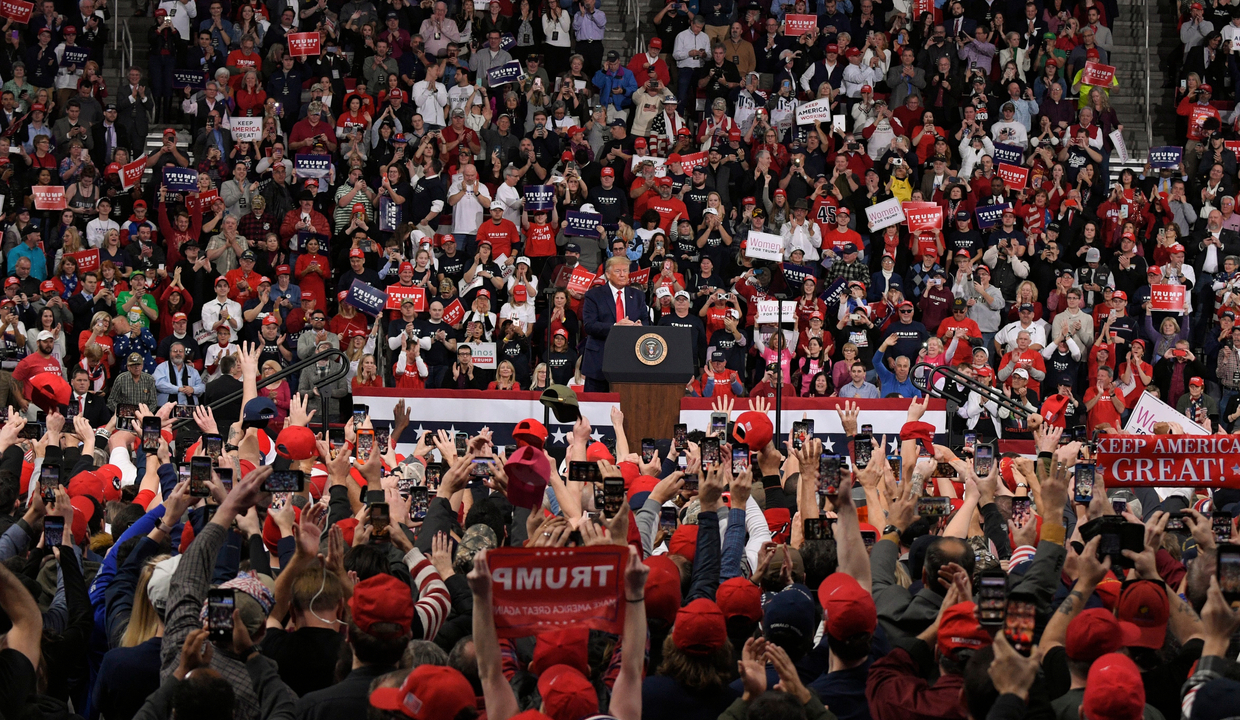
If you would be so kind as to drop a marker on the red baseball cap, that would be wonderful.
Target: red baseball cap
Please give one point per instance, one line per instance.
(753, 429)
(296, 442)
(849, 609)
(567, 694)
(662, 589)
(1114, 689)
(639, 142)
(1144, 604)
(356, 253)
(1096, 632)
(959, 630)
(47, 286)
(1197, 382)
(683, 542)
(665, 181)
(674, 157)
(561, 647)
(429, 692)
(734, 135)
(607, 172)
(1176, 248)
(1119, 294)
(780, 191)
(700, 627)
(833, 48)
(867, 89)
(738, 597)
(382, 599)
(283, 270)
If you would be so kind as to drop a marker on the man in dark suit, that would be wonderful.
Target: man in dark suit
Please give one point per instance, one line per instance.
(133, 103)
(600, 309)
(226, 384)
(92, 406)
(88, 301)
(108, 136)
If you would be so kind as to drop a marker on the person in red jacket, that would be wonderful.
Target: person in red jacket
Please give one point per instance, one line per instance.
(1197, 108)
(643, 65)
(500, 232)
(717, 380)
(304, 219)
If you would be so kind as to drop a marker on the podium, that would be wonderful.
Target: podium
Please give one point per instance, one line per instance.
(648, 367)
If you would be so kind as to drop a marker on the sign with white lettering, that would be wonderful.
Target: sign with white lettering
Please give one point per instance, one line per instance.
(503, 74)
(1166, 157)
(582, 224)
(303, 44)
(48, 197)
(366, 298)
(537, 589)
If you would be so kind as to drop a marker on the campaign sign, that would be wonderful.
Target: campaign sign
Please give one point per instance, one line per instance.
(454, 313)
(1166, 156)
(582, 224)
(922, 6)
(1121, 147)
(580, 279)
(132, 173)
(74, 56)
(483, 355)
(1198, 461)
(506, 73)
(506, 41)
(923, 216)
(87, 260)
(641, 277)
(538, 589)
(539, 197)
(660, 164)
(814, 111)
(1013, 176)
(366, 298)
(795, 274)
(1167, 298)
(887, 212)
(390, 214)
(795, 25)
(16, 10)
(396, 295)
(1095, 73)
(247, 129)
(764, 246)
(304, 44)
(48, 197)
(692, 160)
(1010, 154)
(1149, 411)
(192, 79)
(312, 166)
(989, 216)
(179, 179)
(834, 291)
(769, 311)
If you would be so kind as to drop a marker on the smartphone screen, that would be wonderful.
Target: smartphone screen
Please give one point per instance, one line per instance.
(1229, 571)
(53, 531)
(740, 459)
(648, 453)
(934, 507)
(718, 423)
(869, 537)
(809, 427)
(828, 476)
(613, 496)
(812, 529)
(220, 604)
(710, 452)
(1221, 520)
(33, 431)
(226, 477)
(462, 441)
(863, 449)
(359, 415)
(1018, 624)
(419, 502)
(151, 427)
(983, 459)
(199, 474)
(434, 476)
(992, 599)
(1083, 483)
(126, 411)
(680, 435)
(1119, 506)
(583, 471)
(213, 446)
(798, 435)
(383, 438)
(285, 481)
(380, 517)
(1020, 510)
(667, 519)
(970, 443)
(335, 438)
(691, 483)
(365, 444)
(183, 412)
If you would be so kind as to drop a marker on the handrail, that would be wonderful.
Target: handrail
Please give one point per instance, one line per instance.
(116, 23)
(289, 371)
(1149, 122)
(638, 45)
(923, 374)
(126, 47)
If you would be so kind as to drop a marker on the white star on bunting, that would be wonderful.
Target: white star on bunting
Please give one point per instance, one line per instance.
(558, 436)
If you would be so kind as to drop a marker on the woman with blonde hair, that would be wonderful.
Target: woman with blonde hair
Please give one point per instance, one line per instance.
(505, 377)
(367, 374)
(130, 670)
(541, 381)
(1026, 294)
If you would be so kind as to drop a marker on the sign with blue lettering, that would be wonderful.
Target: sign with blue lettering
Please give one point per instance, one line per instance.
(582, 224)
(506, 73)
(193, 79)
(312, 166)
(1166, 157)
(989, 216)
(179, 179)
(389, 214)
(369, 300)
(1010, 154)
(796, 274)
(73, 55)
(539, 197)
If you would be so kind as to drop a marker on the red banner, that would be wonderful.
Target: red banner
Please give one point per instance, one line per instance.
(1096, 73)
(1167, 298)
(48, 197)
(795, 25)
(538, 589)
(131, 173)
(87, 261)
(304, 44)
(692, 160)
(923, 216)
(580, 280)
(397, 294)
(16, 10)
(454, 313)
(641, 277)
(1013, 176)
(1169, 460)
(920, 7)
(1232, 145)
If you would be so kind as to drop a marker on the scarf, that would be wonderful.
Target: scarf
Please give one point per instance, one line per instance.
(70, 282)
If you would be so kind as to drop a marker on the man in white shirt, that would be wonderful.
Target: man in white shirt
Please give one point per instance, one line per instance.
(1009, 130)
(220, 309)
(180, 13)
(97, 229)
(470, 199)
(691, 49)
(1005, 341)
(509, 196)
(430, 96)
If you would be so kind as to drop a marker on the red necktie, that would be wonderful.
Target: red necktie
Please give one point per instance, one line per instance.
(619, 305)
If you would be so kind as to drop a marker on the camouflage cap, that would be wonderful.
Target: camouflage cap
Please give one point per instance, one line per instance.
(477, 537)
